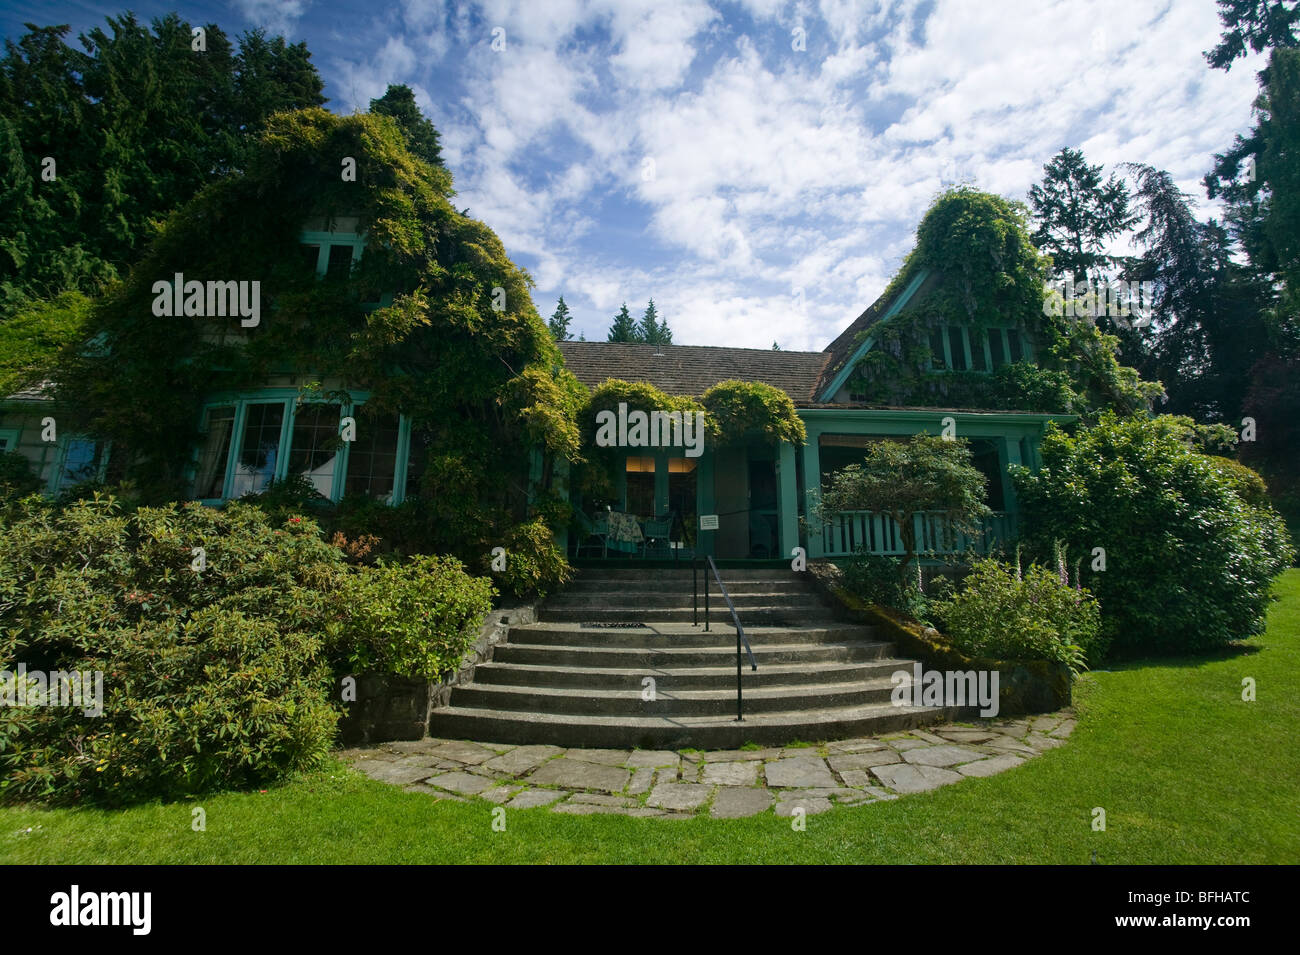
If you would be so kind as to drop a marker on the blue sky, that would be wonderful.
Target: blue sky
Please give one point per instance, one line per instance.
(758, 167)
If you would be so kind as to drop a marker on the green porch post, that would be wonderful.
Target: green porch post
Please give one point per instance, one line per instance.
(812, 480)
(1011, 455)
(789, 497)
(661, 483)
(704, 543)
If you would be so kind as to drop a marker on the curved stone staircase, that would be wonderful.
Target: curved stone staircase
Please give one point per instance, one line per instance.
(581, 675)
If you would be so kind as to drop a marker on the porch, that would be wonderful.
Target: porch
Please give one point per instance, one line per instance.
(757, 503)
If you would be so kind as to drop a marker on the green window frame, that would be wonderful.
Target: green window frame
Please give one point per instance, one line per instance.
(325, 241)
(237, 408)
(995, 350)
(9, 439)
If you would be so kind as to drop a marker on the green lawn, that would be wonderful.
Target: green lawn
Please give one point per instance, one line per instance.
(1186, 771)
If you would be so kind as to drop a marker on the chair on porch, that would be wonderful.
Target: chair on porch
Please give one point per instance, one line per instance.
(656, 533)
(595, 532)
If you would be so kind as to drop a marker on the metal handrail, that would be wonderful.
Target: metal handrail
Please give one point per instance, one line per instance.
(735, 618)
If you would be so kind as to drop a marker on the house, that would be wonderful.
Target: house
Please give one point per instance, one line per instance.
(747, 502)
(762, 496)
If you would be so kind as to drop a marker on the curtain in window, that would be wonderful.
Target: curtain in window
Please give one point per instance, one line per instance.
(216, 452)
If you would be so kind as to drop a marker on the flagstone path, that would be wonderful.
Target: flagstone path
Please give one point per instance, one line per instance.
(722, 784)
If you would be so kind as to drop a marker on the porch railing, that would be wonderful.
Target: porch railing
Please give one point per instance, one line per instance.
(848, 531)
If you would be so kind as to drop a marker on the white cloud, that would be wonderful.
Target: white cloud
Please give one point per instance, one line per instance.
(776, 169)
(277, 16)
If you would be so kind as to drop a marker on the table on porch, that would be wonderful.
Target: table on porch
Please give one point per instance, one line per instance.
(624, 532)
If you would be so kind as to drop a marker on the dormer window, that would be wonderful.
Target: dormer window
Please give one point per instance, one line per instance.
(956, 348)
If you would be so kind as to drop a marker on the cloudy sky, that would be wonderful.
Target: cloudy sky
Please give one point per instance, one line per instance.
(757, 167)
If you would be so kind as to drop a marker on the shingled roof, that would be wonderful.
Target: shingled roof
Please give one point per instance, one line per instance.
(694, 369)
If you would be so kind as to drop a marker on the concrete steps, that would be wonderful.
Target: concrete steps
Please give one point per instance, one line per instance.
(616, 661)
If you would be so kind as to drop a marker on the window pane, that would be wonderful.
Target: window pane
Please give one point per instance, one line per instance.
(977, 361)
(936, 347)
(340, 262)
(1013, 339)
(80, 462)
(311, 256)
(259, 449)
(211, 478)
(314, 447)
(998, 346)
(985, 459)
(372, 459)
(958, 352)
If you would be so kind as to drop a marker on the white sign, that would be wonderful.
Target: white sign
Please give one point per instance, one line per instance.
(708, 522)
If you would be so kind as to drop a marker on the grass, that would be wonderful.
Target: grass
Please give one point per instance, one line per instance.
(1186, 771)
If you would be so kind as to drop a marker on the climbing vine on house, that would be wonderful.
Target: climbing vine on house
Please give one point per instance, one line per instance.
(434, 320)
(735, 412)
(751, 411)
(985, 274)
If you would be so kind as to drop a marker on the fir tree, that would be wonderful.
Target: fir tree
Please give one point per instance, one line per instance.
(624, 328)
(559, 322)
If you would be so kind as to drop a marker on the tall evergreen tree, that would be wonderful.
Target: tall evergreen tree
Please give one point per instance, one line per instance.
(422, 139)
(134, 125)
(648, 330)
(1207, 329)
(1258, 24)
(1076, 213)
(624, 328)
(559, 322)
(652, 330)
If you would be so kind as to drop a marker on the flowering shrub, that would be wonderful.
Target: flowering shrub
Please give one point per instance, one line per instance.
(1006, 614)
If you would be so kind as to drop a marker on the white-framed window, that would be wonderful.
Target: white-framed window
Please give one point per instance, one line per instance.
(251, 440)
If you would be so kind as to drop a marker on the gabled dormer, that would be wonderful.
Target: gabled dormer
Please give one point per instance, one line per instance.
(907, 350)
(334, 247)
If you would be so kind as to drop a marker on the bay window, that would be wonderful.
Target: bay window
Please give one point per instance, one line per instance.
(252, 440)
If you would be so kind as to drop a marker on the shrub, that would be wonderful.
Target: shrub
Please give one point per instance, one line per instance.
(1191, 549)
(212, 677)
(1035, 615)
(877, 579)
(16, 477)
(534, 565)
(416, 618)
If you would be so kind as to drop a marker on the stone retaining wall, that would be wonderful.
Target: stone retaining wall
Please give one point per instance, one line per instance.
(1024, 686)
(391, 707)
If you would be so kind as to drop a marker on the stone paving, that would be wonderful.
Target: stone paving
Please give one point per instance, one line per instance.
(722, 784)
